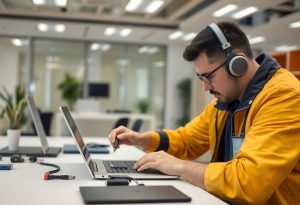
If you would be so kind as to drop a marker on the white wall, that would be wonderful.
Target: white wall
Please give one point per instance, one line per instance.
(9, 61)
(177, 70)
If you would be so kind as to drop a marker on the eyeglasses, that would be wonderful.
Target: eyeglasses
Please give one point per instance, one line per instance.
(207, 77)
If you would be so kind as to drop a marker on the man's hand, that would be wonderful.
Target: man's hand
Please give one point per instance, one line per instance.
(129, 137)
(161, 161)
(166, 163)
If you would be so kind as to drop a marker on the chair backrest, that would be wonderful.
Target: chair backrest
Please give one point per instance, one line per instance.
(137, 125)
(121, 121)
(46, 118)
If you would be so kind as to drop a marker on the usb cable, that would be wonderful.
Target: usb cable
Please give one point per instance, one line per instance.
(50, 175)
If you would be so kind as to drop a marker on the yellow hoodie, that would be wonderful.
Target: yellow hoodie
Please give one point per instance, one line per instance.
(267, 168)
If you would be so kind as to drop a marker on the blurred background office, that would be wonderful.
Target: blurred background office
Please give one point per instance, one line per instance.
(124, 57)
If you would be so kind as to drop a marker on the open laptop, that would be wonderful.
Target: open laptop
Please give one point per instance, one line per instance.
(103, 169)
(45, 150)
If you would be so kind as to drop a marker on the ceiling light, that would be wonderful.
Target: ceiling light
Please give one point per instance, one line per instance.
(105, 47)
(295, 24)
(225, 10)
(39, 2)
(43, 27)
(175, 35)
(153, 50)
(16, 42)
(95, 46)
(125, 32)
(143, 49)
(245, 12)
(110, 31)
(133, 5)
(257, 39)
(62, 3)
(60, 28)
(285, 48)
(154, 6)
(159, 64)
(189, 36)
(148, 49)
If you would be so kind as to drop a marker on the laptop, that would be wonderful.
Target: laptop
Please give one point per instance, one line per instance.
(132, 194)
(45, 150)
(103, 169)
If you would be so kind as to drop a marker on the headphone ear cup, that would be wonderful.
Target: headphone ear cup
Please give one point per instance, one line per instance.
(237, 66)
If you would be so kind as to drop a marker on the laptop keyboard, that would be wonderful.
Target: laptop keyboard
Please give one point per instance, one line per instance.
(119, 166)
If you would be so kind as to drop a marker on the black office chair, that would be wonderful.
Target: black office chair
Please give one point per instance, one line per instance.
(137, 125)
(46, 118)
(122, 121)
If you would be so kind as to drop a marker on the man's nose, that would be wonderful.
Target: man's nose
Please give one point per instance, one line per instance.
(206, 86)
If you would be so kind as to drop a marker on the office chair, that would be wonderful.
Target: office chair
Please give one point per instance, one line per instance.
(137, 125)
(46, 118)
(121, 121)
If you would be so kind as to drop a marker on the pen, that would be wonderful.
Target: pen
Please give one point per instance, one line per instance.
(116, 144)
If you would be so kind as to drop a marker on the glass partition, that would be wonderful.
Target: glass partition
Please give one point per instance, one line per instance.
(53, 59)
(13, 62)
(135, 75)
(117, 77)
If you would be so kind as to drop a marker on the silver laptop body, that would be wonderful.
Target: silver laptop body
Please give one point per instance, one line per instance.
(97, 167)
(48, 151)
(37, 123)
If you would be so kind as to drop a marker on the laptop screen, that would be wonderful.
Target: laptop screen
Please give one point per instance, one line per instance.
(75, 133)
(37, 122)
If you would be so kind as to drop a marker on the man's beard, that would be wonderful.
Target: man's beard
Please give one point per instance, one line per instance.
(222, 100)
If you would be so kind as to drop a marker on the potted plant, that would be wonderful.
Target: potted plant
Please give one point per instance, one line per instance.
(184, 92)
(70, 88)
(14, 112)
(143, 106)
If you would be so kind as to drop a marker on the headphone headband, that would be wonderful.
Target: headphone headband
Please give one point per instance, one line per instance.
(219, 34)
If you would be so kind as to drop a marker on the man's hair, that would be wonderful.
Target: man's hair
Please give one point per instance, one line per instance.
(206, 42)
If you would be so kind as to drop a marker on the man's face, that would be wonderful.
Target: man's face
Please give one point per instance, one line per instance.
(219, 83)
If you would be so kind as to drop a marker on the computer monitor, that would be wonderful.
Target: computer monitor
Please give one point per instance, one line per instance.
(98, 90)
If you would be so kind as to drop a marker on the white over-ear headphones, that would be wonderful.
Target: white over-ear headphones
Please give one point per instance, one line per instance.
(236, 65)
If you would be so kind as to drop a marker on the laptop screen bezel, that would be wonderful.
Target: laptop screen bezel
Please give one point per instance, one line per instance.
(37, 123)
(86, 155)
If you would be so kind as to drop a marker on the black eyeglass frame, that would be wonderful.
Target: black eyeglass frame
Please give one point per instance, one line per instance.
(202, 77)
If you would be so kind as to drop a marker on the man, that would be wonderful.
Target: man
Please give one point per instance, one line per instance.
(252, 127)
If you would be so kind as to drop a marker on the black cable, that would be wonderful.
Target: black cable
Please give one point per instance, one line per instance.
(49, 175)
(116, 177)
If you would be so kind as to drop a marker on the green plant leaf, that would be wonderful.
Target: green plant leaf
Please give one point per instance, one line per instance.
(70, 88)
(14, 110)
(11, 115)
(4, 95)
(19, 94)
(19, 113)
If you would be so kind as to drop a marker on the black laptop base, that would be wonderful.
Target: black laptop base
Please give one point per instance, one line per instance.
(32, 151)
(132, 194)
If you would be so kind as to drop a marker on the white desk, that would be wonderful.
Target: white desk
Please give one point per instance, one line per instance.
(25, 185)
(100, 124)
